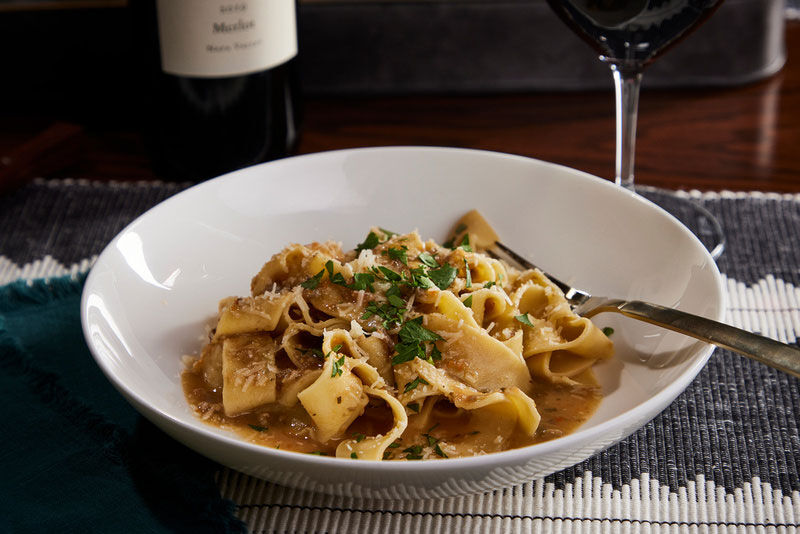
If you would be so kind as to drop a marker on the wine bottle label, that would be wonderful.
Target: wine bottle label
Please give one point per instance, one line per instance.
(212, 38)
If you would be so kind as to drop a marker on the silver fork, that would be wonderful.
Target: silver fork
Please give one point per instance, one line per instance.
(763, 349)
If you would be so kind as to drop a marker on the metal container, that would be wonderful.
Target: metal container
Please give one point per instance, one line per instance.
(467, 46)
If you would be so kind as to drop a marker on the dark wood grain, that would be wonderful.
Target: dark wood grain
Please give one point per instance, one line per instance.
(735, 138)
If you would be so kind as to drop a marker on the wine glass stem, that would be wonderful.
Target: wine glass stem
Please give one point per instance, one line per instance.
(626, 83)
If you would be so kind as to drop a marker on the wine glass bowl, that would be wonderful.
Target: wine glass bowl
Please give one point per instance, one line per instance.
(629, 35)
(633, 32)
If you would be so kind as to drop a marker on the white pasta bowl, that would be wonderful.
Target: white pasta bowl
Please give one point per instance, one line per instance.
(157, 284)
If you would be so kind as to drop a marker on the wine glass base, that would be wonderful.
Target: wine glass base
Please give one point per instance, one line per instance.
(694, 216)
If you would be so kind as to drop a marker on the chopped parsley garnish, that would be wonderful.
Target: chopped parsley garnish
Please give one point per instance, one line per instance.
(436, 354)
(315, 352)
(396, 301)
(414, 452)
(387, 454)
(428, 260)
(354, 456)
(359, 437)
(391, 315)
(413, 406)
(468, 274)
(413, 337)
(336, 278)
(419, 278)
(468, 301)
(414, 383)
(524, 319)
(336, 368)
(443, 276)
(313, 282)
(388, 274)
(407, 352)
(489, 284)
(413, 332)
(608, 331)
(465, 243)
(370, 242)
(433, 442)
(399, 254)
(319, 453)
(259, 428)
(362, 281)
(450, 242)
(388, 233)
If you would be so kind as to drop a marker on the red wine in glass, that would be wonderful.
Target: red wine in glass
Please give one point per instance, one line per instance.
(629, 34)
(633, 32)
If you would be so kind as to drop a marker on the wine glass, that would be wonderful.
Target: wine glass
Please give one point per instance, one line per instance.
(629, 35)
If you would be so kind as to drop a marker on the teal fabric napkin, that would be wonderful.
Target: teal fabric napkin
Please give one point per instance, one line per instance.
(75, 456)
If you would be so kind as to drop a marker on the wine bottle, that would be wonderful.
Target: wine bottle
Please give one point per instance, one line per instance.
(225, 91)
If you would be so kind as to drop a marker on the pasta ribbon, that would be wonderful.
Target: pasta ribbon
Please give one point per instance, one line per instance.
(248, 372)
(398, 349)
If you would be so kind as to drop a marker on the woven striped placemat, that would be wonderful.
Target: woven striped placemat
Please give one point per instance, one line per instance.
(724, 457)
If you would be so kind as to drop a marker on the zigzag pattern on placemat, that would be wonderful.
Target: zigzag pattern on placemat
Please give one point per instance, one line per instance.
(643, 504)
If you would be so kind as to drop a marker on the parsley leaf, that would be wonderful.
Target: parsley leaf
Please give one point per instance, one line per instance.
(412, 331)
(465, 243)
(524, 319)
(468, 301)
(362, 281)
(414, 452)
(390, 314)
(414, 406)
(414, 383)
(428, 260)
(399, 254)
(336, 368)
(608, 331)
(412, 337)
(436, 354)
(438, 450)
(467, 274)
(313, 282)
(369, 243)
(443, 276)
(359, 437)
(387, 273)
(387, 233)
(259, 428)
(396, 301)
(407, 352)
(417, 277)
(354, 456)
(431, 440)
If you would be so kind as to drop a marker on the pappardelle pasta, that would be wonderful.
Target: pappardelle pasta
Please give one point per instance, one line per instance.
(398, 349)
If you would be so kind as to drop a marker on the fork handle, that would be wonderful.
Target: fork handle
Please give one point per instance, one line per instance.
(763, 349)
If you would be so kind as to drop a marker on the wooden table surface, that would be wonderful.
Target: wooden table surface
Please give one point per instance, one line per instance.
(735, 138)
